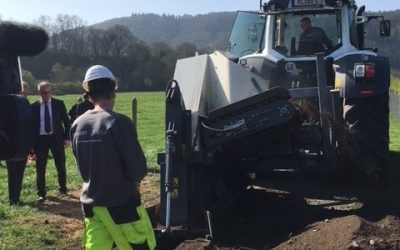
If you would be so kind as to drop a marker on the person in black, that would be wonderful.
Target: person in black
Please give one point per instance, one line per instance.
(79, 108)
(312, 39)
(16, 168)
(51, 124)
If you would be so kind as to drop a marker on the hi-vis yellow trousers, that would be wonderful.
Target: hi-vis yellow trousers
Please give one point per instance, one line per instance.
(101, 231)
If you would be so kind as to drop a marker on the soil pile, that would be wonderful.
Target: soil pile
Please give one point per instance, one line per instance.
(350, 232)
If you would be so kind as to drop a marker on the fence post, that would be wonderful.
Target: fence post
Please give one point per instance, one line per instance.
(134, 112)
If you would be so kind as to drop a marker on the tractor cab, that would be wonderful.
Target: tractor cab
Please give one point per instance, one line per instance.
(299, 28)
(280, 42)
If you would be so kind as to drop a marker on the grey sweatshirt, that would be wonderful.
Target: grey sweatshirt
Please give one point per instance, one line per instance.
(109, 158)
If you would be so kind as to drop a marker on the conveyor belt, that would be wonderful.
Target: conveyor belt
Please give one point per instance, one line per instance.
(248, 117)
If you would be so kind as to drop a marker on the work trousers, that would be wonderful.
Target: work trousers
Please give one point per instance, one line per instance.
(15, 171)
(42, 146)
(101, 232)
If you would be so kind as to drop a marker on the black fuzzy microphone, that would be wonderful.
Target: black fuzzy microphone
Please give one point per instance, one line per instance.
(21, 39)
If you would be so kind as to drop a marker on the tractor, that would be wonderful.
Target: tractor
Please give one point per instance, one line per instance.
(296, 89)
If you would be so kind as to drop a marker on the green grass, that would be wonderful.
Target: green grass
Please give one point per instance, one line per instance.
(394, 134)
(23, 228)
(394, 146)
(395, 84)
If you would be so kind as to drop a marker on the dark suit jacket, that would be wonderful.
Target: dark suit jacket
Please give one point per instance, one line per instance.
(60, 119)
(78, 109)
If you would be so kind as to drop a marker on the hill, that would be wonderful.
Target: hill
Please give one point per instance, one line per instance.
(206, 31)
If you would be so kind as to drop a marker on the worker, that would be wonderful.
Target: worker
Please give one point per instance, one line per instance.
(111, 163)
(312, 39)
(80, 107)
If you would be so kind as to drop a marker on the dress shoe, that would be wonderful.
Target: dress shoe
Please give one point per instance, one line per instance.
(63, 193)
(41, 198)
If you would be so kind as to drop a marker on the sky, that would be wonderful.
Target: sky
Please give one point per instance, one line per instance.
(95, 11)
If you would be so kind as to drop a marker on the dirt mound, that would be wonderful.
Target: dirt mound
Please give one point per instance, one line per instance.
(385, 234)
(350, 232)
(200, 244)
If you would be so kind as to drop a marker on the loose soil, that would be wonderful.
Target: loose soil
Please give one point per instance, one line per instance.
(282, 213)
(64, 214)
(303, 213)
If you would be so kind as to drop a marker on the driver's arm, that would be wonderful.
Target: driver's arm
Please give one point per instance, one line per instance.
(326, 40)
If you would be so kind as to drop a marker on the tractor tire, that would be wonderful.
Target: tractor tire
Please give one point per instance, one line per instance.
(367, 135)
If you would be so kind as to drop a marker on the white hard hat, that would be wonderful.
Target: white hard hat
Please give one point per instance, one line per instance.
(97, 72)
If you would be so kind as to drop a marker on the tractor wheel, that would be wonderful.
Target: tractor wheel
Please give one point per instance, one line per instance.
(219, 187)
(367, 135)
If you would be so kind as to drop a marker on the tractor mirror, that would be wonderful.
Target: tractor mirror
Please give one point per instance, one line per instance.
(360, 17)
(385, 28)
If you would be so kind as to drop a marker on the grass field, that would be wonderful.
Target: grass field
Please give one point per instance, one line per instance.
(395, 84)
(22, 227)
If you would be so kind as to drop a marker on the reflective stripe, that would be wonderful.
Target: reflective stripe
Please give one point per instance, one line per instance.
(101, 232)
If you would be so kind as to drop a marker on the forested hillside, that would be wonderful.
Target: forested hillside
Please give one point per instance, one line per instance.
(142, 49)
(210, 30)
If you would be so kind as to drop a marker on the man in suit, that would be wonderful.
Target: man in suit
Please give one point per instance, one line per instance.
(16, 168)
(51, 133)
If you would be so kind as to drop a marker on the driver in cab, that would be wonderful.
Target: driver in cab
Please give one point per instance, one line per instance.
(312, 39)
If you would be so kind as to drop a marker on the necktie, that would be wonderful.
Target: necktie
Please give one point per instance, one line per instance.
(47, 126)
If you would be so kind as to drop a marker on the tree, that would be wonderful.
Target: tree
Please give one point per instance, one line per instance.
(62, 73)
(94, 42)
(30, 80)
(116, 40)
(186, 50)
(69, 34)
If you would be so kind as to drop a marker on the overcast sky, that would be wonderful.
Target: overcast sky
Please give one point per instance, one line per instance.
(94, 11)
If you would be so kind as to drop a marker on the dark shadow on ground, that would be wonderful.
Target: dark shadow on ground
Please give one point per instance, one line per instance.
(67, 206)
(387, 199)
(263, 218)
(286, 205)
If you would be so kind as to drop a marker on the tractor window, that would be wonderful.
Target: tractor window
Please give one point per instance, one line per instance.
(247, 34)
(303, 34)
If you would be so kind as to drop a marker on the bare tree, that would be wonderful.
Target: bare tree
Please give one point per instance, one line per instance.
(94, 42)
(69, 34)
(116, 40)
